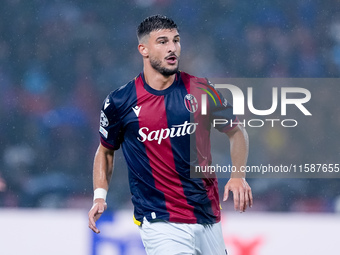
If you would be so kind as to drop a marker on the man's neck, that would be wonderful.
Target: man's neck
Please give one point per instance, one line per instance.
(156, 80)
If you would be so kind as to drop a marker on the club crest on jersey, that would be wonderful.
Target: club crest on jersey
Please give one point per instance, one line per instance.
(104, 122)
(190, 103)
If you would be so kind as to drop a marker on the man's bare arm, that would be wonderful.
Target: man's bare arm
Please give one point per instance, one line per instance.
(102, 172)
(239, 147)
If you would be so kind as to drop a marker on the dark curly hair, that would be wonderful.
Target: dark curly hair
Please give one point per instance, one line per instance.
(153, 23)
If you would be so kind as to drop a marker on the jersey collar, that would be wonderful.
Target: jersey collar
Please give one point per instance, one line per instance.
(160, 92)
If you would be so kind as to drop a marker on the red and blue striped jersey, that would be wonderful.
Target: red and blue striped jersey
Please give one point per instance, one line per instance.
(163, 134)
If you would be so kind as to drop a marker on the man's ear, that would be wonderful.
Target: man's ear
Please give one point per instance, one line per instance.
(143, 50)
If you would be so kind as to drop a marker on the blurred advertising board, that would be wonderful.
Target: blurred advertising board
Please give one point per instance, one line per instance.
(55, 232)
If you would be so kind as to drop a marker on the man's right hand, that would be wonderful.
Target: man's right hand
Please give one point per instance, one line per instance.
(99, 206)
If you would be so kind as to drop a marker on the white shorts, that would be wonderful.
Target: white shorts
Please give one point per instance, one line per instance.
(167, 238)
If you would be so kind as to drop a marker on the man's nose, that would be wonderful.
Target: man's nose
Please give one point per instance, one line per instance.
(172, 47)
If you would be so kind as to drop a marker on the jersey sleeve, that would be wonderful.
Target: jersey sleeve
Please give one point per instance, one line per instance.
(221, 113)
(110, 129)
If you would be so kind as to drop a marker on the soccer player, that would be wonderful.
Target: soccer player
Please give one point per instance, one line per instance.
(158, 121)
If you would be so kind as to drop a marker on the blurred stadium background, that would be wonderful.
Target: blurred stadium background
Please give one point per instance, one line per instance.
(58, 61)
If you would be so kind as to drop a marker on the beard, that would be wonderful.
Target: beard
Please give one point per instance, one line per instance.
(157, 65)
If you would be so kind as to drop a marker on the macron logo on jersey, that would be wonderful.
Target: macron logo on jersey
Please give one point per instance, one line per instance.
(136, 109)
(175, 131)
(107, 103)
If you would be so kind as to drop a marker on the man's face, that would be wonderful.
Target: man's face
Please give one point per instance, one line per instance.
(164, 50)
